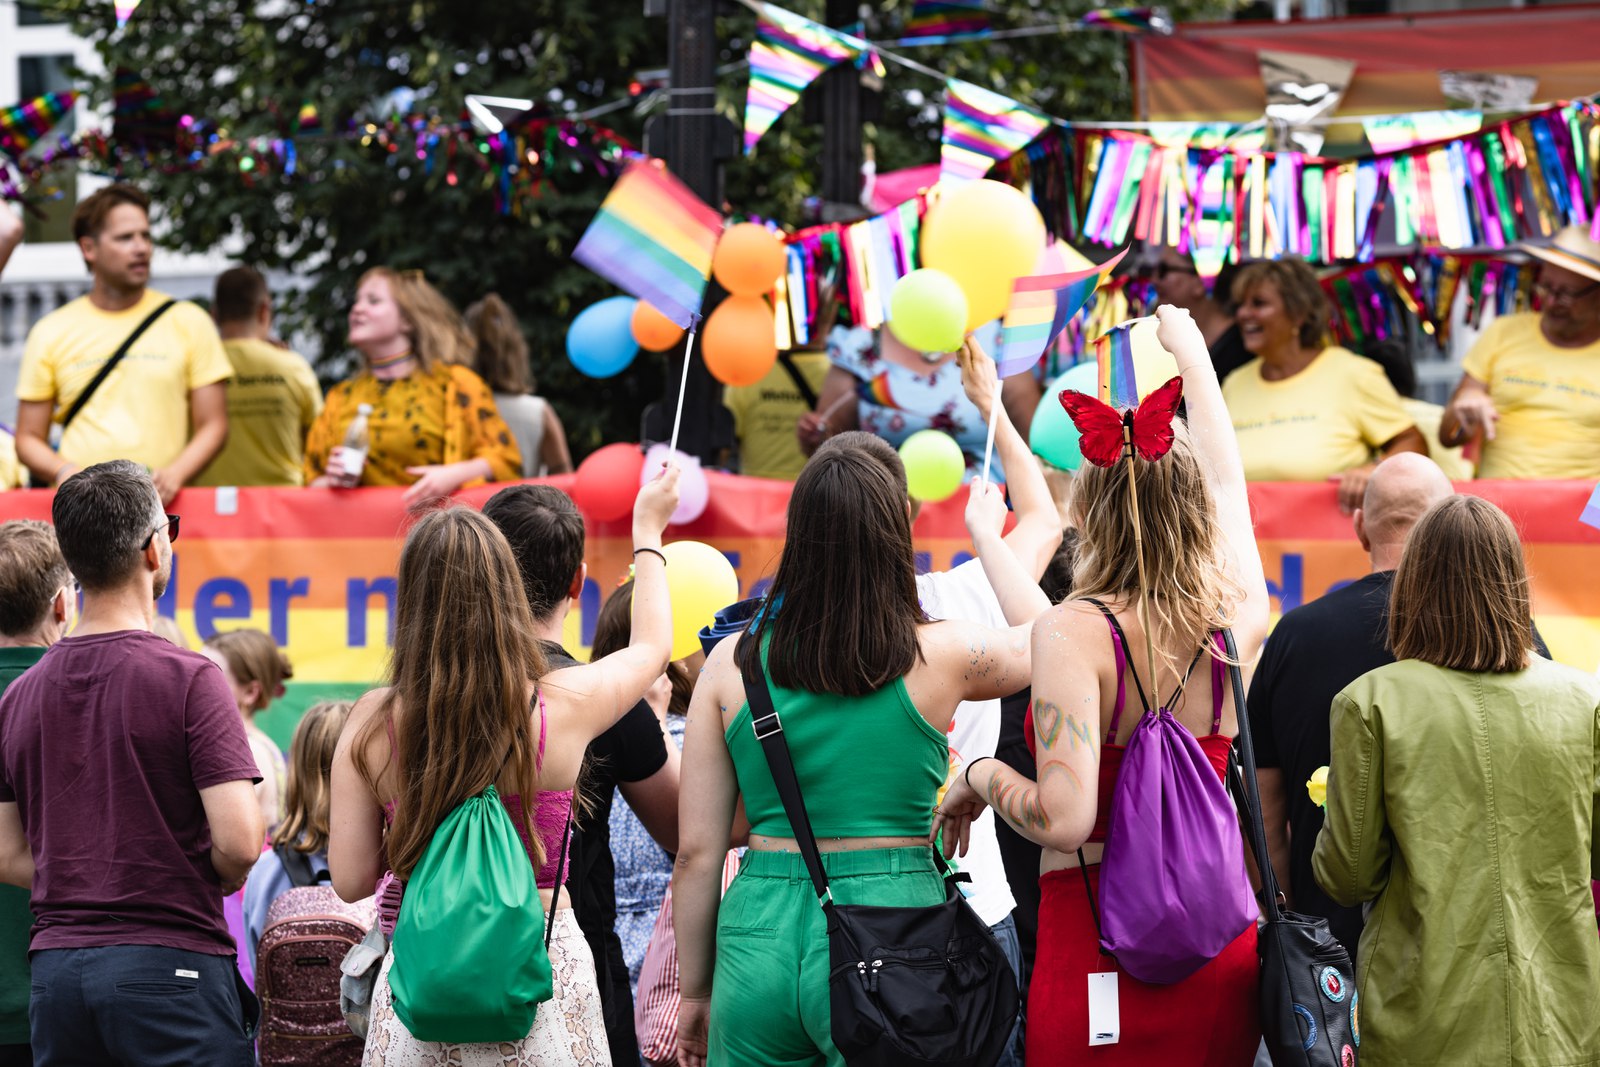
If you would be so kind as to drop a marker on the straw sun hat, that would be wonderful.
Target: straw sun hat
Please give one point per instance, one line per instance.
(1571, 249)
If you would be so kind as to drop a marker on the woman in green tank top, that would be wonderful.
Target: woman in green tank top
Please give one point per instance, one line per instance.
(866, 686)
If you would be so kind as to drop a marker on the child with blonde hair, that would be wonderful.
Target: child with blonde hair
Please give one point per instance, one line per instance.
(255, 669)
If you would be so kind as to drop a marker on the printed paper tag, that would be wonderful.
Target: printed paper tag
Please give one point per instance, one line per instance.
(227, 500)
(1105, 1015)
(187, 974)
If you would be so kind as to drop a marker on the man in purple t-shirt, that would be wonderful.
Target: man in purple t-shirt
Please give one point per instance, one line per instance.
(127, 805)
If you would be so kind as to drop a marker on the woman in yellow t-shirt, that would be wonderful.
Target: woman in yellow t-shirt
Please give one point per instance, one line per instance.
(1304, 411)
(434, 425)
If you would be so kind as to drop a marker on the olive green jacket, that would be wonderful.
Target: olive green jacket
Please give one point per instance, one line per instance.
(1466, 807)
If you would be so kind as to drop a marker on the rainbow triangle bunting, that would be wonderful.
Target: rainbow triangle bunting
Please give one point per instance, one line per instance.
(1041, 306)
(789, 54)
(981, 128)
(22, 125)
(1113, 356)
(1129, 19)
(125, 10)
(653, 238)
(947, 18)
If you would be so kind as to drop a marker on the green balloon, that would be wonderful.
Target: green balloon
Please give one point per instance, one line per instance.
(1052, 436)
(934, 465)
(928, 311)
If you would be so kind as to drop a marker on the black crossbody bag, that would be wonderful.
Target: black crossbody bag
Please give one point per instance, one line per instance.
(907, 986)
(111, 364)
(1310, 1014)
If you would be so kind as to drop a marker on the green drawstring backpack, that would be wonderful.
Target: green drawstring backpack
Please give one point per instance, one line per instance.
(468, 962)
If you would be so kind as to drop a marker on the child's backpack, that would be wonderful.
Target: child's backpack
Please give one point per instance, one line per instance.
(307, 933)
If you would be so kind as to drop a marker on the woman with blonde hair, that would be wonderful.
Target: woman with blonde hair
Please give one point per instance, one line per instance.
(1193, 550)
(255, 669)
(501, 359)
(1464, 803)
(471, 702)
(1305, 410)
(304, 829)
(432, 425)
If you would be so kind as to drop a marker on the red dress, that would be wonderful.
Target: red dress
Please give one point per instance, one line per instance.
(1209, 1019)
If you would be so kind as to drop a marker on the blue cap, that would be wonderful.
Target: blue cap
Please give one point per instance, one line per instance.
(733, 619)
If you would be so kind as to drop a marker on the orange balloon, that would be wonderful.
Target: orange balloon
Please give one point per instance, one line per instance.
(738, 342)
(748, 260)
(653, 330)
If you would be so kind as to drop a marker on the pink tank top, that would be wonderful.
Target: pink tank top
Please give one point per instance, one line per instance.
(550, 814)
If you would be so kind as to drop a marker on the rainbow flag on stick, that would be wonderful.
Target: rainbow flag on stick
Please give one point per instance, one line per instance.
(653, 238)
(22, 125)
(1113, 353)
(982, 128)
(789, 54)
(1041, 306)
(1130, 19)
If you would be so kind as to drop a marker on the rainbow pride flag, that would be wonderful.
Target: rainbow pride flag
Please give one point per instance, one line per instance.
(653, 238)
(947, 18)
(22, 125)
(1041, 306)
(789, 54)
(1113, 354)
(981, 128)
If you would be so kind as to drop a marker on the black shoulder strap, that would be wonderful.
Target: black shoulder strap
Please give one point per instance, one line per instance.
(297, 865)
(561, 874)
(808, 394)
(1127, 650)
(769, 731)
(1246, 793)
(111, 364)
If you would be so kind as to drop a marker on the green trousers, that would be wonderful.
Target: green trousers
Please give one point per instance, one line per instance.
(769, 994)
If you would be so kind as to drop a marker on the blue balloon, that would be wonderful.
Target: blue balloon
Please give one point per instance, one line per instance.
(600, 340)
(1052, 437)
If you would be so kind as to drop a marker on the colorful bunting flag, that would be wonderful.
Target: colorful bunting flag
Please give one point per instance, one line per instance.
(139, 116)
(982, 128)
(1040, 308)
(653, 238)
(125, 10)
(1113, 354)
(947, 18)
(1591, 510)
(22, 125)
(789, 54)
(1130, 19)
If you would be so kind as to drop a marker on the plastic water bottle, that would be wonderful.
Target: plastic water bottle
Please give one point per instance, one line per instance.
(353, 456)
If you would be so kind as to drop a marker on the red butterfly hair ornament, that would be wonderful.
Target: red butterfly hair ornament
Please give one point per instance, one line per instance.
(1100, 425)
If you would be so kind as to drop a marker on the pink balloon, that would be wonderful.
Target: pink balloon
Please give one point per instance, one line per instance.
(694, 492)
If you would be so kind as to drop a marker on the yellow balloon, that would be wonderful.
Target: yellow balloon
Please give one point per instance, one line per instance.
(984, 234)
(700, 583)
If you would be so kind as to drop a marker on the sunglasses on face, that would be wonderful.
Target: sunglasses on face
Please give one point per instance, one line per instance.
(1164, 269)
(1564, 296)
(171, 526)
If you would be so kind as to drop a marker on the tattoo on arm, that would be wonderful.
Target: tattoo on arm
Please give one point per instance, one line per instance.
(1019, 804)
(1049, 719)
(1057, 769)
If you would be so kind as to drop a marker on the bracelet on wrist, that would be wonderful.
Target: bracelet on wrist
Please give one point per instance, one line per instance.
(654, 552)
(966, 775)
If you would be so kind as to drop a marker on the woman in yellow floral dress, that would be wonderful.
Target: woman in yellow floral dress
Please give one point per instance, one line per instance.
(434, 426)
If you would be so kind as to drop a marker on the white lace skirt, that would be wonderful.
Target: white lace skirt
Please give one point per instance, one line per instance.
(568, 1030)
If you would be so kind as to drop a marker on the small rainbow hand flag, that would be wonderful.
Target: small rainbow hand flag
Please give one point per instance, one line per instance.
(1041, 306)
(789, 54)
(981, 128)
(22, 125)
(1113, 353)
(1129, 19)
(653, 238)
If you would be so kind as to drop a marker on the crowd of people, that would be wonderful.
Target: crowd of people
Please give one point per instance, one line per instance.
(152, 836)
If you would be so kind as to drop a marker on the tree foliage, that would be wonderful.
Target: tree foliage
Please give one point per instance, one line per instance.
(248, 68)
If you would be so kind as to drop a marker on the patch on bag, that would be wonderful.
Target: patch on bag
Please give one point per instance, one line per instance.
(1311, 1027)
(1331, 983)
(1355, 1018)
(1347, 1057)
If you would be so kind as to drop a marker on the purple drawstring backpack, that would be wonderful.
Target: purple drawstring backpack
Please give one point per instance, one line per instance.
(1173, 890)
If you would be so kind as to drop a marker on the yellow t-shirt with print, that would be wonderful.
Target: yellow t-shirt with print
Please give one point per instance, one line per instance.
(1548, 399)
(764, 417)
(1330, 417)
(272, 402)
(140, 412)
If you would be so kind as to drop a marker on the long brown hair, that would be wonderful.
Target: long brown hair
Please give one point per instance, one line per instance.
(464, 657)
(1192, 592)
(500, 354)
(844, 608)
(306, 802)
(1460, 597)
(438, 334)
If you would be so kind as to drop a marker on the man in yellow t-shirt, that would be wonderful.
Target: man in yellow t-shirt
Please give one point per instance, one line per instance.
(273, 398)
(765, 414)
(164, 404)
(1530, 394)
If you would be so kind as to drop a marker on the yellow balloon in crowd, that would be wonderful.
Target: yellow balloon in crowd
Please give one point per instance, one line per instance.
(984, 234)
(700, 582)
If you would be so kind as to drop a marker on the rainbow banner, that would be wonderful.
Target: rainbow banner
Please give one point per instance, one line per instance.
(946, 18)
(1113, 356)
(789, 54)
(981, 128)
(1041, 306)
(653, 238)
(315, 567)
(23, 125)
(1129, 19)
